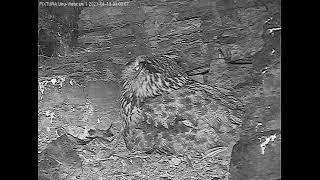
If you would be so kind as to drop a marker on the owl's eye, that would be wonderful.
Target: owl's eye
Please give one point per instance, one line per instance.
(137, 68)
(138, 63)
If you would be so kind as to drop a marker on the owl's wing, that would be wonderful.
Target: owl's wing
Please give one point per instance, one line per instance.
(180, 121)
(155, 126)
(224, 96)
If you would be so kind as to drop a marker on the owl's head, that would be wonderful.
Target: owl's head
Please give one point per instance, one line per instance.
(149, 76)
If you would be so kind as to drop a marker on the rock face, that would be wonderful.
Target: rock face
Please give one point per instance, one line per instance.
(82, 50)
(258, 157)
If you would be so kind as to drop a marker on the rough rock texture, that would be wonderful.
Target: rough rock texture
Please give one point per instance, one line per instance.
(83, 49)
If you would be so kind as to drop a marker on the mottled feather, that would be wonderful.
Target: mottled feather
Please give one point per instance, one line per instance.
(165, 111)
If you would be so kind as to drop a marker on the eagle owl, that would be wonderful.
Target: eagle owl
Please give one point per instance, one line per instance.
(167, 112)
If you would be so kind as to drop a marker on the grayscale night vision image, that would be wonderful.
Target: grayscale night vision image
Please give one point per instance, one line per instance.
(159, 90)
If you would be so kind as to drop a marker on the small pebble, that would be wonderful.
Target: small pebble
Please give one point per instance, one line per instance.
(175, 161)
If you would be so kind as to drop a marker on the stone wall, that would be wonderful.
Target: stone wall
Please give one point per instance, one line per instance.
(83, 49)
